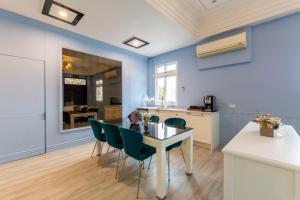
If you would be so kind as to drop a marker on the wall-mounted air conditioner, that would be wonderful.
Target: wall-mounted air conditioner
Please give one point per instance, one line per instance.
(223, 45)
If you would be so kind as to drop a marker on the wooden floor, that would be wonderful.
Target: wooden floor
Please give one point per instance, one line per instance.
(72, 174)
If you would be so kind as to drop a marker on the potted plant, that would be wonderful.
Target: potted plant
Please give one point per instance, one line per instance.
(268, 124)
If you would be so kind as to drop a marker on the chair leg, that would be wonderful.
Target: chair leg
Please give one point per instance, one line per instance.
(124, 162)
(143, 164)
(149, 163)
(99, 152)
(107, 152)
(168, 166)
(182, 154)
(101, 148)
(94, 149)
(118, 165)
(140, 164)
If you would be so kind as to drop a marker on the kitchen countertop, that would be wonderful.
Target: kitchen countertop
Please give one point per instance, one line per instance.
(174, 110)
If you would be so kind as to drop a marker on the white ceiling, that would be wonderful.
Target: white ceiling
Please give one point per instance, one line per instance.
(166, 24)
(114, 21)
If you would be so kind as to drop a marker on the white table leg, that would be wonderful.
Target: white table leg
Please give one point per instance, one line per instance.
(161, 190)
(188, 155)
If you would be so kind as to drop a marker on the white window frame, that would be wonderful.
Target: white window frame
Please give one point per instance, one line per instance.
(100, 86)
(164, 75)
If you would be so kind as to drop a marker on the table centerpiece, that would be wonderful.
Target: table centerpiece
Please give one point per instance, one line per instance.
(268, 124)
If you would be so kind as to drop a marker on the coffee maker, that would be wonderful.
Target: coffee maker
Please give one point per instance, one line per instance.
(210, 103)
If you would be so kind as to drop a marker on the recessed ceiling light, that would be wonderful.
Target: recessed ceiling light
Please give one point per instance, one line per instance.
(61, 12)
(136, 42)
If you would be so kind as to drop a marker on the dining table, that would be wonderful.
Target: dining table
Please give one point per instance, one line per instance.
(74, 114)
(160, 136)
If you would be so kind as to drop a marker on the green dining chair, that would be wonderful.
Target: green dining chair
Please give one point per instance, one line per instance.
(97, 130)
(114, 139)
(175, 122)
(135, 148)
(154, 118)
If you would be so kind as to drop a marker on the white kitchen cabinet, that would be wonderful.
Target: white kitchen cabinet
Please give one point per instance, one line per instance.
(205, 124)
(202, 125)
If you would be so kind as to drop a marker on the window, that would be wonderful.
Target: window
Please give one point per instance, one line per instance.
(99, 90)
(166, 84)
(75, 81)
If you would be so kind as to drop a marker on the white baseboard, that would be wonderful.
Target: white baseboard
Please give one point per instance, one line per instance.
(21, 155)
(68, 144)
(39, 151)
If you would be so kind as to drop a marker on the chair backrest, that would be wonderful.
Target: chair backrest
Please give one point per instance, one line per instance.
(132, 141)
(84, 110)
(179, 122)
(154, 118)
(66, 117)
(96, 126)
(112, 135)
(93, 110)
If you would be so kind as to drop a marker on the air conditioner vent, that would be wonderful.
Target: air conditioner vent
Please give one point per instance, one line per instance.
(223, 45)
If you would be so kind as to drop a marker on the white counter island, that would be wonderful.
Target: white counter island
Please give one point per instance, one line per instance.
(262, 168)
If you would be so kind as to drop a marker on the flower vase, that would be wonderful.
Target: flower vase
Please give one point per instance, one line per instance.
(266, 131)
(146, 123)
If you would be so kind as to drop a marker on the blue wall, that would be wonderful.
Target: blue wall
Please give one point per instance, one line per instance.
(23, 37)
(269, 83)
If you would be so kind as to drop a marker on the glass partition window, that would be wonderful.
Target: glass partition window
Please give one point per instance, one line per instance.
(166, 84)
(99, 90)
(91, 88)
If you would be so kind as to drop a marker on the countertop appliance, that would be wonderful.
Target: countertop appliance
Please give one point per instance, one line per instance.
(210, 103)
(196, 108)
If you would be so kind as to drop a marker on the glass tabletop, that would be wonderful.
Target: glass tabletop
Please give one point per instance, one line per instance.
(155, 130)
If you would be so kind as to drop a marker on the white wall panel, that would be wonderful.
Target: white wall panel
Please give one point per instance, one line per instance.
(18, 38)
(22, 107)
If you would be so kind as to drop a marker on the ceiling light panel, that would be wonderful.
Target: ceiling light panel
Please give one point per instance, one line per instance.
(61, 12)
(136, 42)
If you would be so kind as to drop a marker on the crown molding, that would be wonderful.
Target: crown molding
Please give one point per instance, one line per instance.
(248, 15)
(187, 13)
(202, 23)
